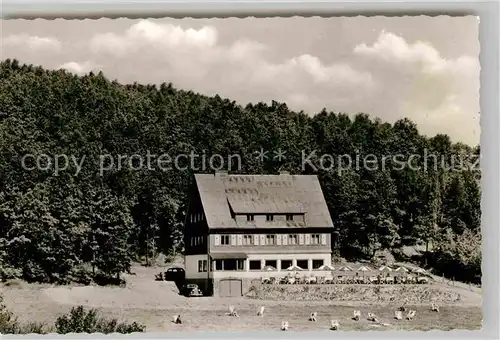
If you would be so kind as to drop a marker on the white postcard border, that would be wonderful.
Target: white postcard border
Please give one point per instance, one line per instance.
(487, 11)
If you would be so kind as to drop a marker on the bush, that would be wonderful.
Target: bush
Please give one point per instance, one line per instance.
(80, 321)
(81, 274)
(76, 321)
(35, 328)
(9, 273)
(103, 279)
(9, 323)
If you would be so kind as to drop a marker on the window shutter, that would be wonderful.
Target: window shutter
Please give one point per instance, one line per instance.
(240, 240)
(256, 239)
(217, 240)
(262, 239)
(308, 239)
(323, 239)
(301, 238)
(278, 239)
(285, 240)
(233, 240)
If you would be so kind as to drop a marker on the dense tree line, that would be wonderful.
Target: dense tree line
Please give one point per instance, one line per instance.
(61, 227)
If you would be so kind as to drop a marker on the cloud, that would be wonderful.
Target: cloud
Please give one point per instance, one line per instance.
(149, 35)
(34, 43)
(421, 55)
(78, 68)
(439, 94)
(389, 77)
(242, 70)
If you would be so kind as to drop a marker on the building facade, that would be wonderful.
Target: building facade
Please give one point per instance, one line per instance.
(244, 227)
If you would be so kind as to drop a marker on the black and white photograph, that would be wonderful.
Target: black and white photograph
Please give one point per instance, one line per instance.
(240, 174)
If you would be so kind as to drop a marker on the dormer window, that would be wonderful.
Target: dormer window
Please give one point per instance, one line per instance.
(249, 218)
(269, 218)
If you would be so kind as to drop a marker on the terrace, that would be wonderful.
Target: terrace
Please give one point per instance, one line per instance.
(349, 275)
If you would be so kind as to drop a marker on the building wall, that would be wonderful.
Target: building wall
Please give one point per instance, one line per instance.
(247, 273)
(209, 281)
(191, 266)
(304, 243)
(195, 226)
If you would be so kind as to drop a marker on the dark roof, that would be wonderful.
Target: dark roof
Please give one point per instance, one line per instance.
(262, 194)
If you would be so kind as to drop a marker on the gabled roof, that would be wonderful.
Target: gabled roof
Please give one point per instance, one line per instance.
(261, 194)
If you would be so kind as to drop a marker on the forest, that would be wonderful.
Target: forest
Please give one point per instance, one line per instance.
(90, 226)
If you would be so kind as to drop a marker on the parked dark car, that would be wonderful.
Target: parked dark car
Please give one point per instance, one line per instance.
(191, 290)
(175, 274)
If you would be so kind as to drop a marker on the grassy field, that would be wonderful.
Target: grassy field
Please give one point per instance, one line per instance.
(154, 303)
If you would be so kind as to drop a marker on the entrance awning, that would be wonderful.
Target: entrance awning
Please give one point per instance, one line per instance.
(226, 256)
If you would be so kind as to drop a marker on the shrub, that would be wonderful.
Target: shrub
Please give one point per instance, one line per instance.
(8, 321)
(80, 321)
(9, 273)
(103, 279)
(81, 274)
(35, 328)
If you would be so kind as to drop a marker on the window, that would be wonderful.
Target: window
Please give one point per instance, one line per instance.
(202, 266)
(229, 264)
(225, 240)
(238, 264)
(318, 263)
(289, 217)
(270, 240)
(286, 263)
(315, 239)
(255, 265)
(249, 218)
(272, 263)
(247, 240)
(304, 264)
(293, 239)
(269, 218)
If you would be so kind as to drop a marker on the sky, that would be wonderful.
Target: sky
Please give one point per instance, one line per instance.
(423, 68)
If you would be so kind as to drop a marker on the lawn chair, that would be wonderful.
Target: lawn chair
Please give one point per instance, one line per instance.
(159, 277)
(410, 279)
(311, 280)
